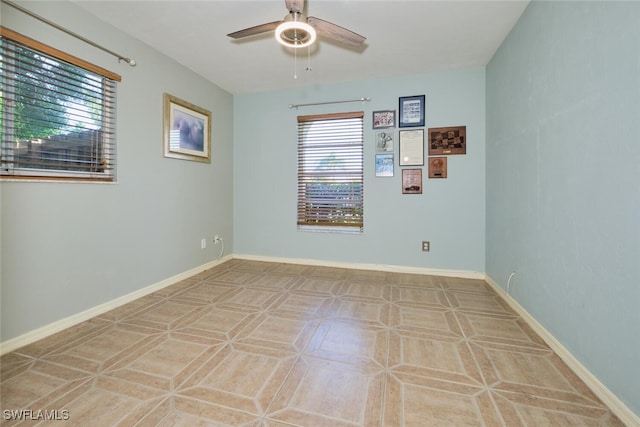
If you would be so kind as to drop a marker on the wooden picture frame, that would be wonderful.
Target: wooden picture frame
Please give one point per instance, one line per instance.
(448, 140)
(411, 181)
(411, 147)
(437, 167)
(186, 130)
(384, 119)
(411, 111)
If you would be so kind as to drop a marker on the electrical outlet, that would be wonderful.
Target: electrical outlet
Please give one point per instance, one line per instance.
(203, 243)
(426, 246)
(216, 239)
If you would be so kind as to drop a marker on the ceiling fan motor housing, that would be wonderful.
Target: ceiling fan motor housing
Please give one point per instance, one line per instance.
(295, 36)
(295, 33)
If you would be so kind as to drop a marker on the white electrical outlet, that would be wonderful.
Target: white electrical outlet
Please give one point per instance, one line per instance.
(216, 239)
(203, 243)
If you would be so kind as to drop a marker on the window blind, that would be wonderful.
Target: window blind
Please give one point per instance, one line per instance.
(330, 170)
(57, 113)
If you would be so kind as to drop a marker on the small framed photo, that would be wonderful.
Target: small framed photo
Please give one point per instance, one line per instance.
(384, 141)
(412, 147)
(186, 130)
(384, 164)
(449, 140)
(437, 167)
(384, 119)
(411, 111)
(411, 181)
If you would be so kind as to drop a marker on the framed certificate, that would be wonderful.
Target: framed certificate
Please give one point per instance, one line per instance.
(411, 111)
(412, 147)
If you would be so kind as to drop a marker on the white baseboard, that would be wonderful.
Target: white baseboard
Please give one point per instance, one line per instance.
(626, 415)
(57, 326)
(465, 274)
(608, 398)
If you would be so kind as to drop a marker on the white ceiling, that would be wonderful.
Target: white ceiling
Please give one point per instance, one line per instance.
(403, 37)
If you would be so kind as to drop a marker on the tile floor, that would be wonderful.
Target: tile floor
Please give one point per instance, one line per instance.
(266, 344)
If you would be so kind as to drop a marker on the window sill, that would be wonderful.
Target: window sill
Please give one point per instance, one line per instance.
(9, 178)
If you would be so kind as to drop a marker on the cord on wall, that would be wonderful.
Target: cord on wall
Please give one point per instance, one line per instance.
(221, 240)
(509, 280)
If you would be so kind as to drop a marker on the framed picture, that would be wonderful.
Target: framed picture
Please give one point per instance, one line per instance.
(384, 119)
(384, 164)
(451, 140)
(437, 167)
(186, 130)
(384, 141)
(411, 111)
(411, 181)
(412, 147)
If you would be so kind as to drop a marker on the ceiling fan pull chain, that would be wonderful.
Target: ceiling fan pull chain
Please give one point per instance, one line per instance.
(295, 63)
(309, 58)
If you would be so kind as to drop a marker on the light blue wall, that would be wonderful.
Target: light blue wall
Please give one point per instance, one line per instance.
(563, 180)
(449, 213)
(70, 247)
(562, 183)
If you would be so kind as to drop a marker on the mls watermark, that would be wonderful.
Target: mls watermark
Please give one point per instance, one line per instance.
(36, 414)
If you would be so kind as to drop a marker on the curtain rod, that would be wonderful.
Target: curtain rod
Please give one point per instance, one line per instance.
(363, 100)
(71, 33)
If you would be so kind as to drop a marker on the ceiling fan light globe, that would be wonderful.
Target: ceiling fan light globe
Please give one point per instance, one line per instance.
(295, 34)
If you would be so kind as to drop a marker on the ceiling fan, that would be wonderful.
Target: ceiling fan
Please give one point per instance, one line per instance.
(296, 30)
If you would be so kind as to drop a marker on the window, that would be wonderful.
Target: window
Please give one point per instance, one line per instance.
(330, 172)
(57, 113)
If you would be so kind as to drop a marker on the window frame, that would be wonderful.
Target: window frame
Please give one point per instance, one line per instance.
(340, 136)
(105, 139)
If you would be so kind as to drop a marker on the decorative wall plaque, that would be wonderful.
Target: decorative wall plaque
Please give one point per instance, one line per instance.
(451, 140)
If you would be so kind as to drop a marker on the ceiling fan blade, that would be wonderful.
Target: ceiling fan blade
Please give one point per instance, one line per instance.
(335, 32)
(295, 5)
(252, 31)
